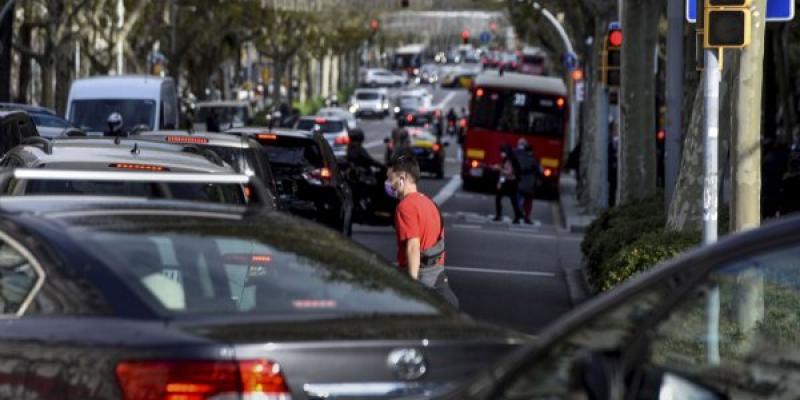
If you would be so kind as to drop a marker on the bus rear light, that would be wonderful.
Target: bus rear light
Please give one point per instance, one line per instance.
(199, 380)
(436, 147)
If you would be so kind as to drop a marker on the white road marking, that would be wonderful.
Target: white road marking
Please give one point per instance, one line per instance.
(500, 271)
(373, 144)
(465, 226)
(443, 103)
(448, 190)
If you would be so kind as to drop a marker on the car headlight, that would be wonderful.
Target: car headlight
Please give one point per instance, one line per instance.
(354, 108)
(397, 109)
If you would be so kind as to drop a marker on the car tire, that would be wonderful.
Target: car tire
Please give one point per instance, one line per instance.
(440, 172)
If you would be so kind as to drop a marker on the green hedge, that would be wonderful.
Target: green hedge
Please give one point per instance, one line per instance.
(617, 228)
(645, 252)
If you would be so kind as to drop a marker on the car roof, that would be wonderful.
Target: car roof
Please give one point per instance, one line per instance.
(515, 81)
(7, 113)
(53, 205)
(26, 107)
(214, 138)
(371, 90)
(334, 110)
(91, 153)
(325, 117)
(410, 49)
(118, 87)
(222, 103)
(285, 132)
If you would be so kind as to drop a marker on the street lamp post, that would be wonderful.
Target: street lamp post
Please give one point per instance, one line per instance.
(573, 108)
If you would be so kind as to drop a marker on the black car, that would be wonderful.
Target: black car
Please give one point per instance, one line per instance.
(102, 298)
(719, 322)
(244, 155)
(47, 122)
(308, 179)
(423, 118)
(15, 127)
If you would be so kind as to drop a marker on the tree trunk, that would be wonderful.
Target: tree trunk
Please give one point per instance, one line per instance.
(278, 69)
(24, 80)
(685, 209)
(747, 139)
(637, 163)
(6, 35)
(48, 71)
(63, 72)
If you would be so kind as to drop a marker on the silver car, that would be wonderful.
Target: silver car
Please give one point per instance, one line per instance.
(334, 129)
(370, 103)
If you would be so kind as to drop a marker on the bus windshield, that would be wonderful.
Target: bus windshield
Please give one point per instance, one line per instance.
(518, 112)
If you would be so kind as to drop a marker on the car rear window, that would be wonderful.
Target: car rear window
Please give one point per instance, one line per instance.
(327, 126)
(293, 152)
(367, 96)
(274, 266)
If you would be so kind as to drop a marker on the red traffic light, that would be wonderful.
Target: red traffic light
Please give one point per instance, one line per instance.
(615, 38)
(374, 24)
(493, 26)
(465, 34)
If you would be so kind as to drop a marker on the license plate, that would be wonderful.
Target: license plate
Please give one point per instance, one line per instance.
(476, 172)
(419, 151)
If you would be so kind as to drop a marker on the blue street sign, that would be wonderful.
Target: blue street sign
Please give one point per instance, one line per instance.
(485, 37)
(777, 10)
(570, 61)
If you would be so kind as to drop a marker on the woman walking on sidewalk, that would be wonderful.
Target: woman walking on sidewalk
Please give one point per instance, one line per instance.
(507, 184)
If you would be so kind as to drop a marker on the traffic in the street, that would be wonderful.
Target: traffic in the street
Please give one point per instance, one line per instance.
(410, 199)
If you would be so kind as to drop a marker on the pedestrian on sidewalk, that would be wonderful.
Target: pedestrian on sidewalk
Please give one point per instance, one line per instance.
(507, 184)
(420, 228)
(529, 173)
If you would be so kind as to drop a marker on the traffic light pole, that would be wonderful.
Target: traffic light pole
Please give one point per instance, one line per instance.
(710, 145)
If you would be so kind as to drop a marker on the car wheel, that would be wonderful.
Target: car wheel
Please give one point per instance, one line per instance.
(440, 172)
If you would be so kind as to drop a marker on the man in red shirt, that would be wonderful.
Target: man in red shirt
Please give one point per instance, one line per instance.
(420, 233)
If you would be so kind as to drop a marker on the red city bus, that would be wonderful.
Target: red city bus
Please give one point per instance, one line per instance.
(505, 108)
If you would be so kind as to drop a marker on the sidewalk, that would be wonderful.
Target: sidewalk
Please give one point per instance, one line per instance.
(575, 219)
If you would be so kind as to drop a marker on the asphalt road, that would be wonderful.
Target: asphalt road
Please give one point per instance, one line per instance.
(512, 275)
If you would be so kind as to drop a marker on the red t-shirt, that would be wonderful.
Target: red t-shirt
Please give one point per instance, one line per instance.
(417, 217)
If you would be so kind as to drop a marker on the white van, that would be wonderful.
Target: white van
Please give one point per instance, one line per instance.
(141, 100)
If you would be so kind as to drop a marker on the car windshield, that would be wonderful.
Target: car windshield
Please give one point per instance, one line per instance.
(191, 266)
(327, 127)
(216, 193)
(92, 115)
(367, 96)
(224, 115)
(412, 102)
(293, 153)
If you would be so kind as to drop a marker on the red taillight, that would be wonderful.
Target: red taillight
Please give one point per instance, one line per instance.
(320, 121)
(187, 139)
(342, 139)
(479, 92)
(248, 191)
(661, 135)
(560, 102)
(318, 176)
(463, 122)
(437, 113)
(436, 147)
(475, 164)
(247, 259)
(139, 167)
(410, 118)
(267, 136)
(548, 172)
(200, 380)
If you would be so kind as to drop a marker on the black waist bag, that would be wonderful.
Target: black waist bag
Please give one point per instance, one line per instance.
(429, 257)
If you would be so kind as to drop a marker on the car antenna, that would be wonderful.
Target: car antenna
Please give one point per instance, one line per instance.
(117, 139)
(135, 149)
